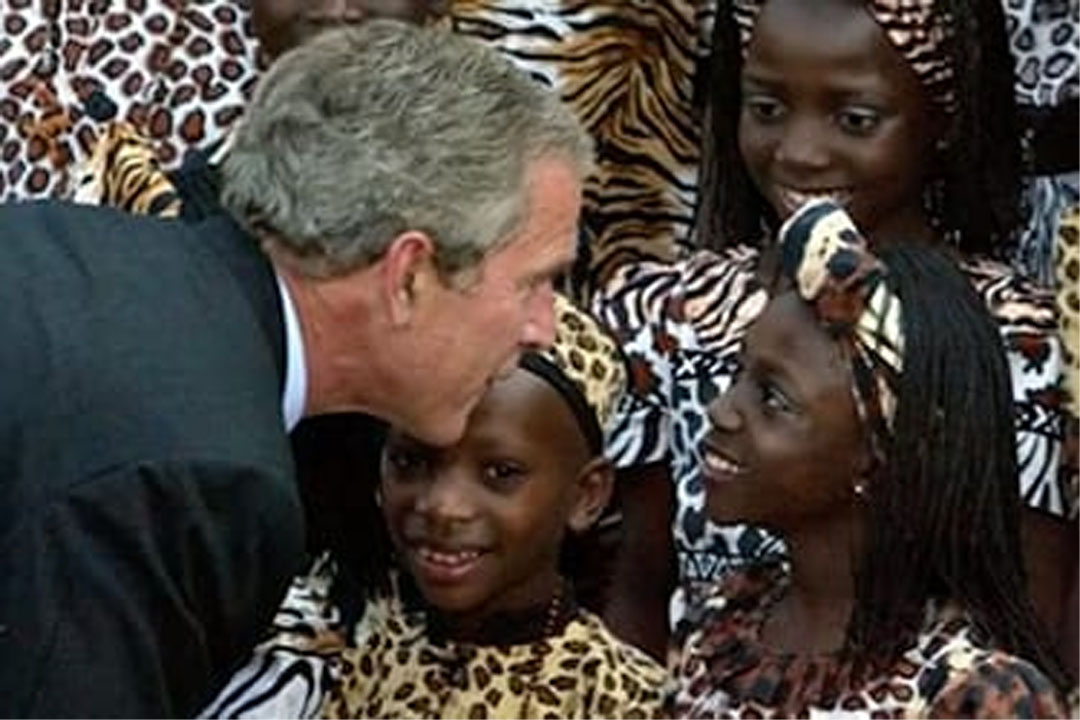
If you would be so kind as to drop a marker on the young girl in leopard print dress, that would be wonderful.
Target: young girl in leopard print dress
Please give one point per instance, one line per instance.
(869, 427)
(478, 621)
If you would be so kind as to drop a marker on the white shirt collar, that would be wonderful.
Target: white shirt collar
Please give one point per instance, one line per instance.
(294, 396)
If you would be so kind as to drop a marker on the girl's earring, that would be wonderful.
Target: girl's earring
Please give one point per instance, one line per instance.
(859, 488)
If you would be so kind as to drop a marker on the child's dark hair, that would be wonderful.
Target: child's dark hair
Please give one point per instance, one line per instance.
(974, 190)
(943, 513)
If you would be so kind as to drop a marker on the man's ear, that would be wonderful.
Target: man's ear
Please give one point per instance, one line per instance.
(593, 487)
(407, 262)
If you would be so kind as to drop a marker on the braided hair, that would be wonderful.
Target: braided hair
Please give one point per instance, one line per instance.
(942, 514)
(974, 193)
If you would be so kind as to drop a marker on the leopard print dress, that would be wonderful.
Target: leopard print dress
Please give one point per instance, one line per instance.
(725, 670)
(393, 663)
(400, 667)
(177, 70)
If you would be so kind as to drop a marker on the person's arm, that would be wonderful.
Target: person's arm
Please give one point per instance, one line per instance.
(644, 573)
(135, 592)
(291, 673)
(632, 305)
(1050, 558)
(1000, 686)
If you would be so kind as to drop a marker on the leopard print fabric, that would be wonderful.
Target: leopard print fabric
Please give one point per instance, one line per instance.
(180, 71)
(310, 664)
(1067, 264)
(1044, 36)
(725, 670)
(396, 670)
(625, 68)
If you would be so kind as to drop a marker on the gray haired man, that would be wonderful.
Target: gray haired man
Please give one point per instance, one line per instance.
(400, 200)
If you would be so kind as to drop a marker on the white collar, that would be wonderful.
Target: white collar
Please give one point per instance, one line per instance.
(294, 396)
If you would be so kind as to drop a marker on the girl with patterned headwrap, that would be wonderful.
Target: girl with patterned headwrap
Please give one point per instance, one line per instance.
(847, 433)
(901, 111)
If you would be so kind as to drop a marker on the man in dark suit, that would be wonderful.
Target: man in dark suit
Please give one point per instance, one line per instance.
(399, 202)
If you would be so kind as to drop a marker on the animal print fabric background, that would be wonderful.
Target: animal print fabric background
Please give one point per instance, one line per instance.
(182, 70)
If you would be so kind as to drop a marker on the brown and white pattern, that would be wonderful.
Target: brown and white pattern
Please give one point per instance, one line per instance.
(179, 70)
(681, 325)
(725, 671)
(389, 665)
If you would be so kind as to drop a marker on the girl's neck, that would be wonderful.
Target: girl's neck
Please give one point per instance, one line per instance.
(912, 228)
(508, 626)
(812, 616)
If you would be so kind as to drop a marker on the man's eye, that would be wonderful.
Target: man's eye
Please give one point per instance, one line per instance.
(859, 121)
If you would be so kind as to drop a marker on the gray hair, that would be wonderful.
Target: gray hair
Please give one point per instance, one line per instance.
(366, 132)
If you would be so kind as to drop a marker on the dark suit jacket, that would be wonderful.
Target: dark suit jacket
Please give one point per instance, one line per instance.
(149, 518)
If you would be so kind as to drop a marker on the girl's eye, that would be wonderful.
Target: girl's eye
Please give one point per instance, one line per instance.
(503, 476)
(859, 121)
(774, 400)
(406, 464)
(763, 108)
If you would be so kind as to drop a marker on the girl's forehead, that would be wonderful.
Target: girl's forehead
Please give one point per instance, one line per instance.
(915, 29)
(790, 38)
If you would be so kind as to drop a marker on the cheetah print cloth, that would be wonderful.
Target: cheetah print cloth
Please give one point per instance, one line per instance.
(396, 670)
(585, 365)
(388, 666)
(1067, 264)
(724, 670)
(179, 70)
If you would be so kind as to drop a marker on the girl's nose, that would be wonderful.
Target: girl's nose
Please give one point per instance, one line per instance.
(446, 500)
(802, 144)
(723, 411)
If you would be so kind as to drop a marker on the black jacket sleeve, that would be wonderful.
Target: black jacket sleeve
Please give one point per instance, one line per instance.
(136, 592)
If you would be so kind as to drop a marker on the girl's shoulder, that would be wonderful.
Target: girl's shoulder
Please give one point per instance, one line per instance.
(961, 676)
(626, 681)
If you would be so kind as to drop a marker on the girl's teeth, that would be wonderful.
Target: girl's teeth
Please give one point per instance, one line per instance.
(798, 199)
(439, 557)
(720, 464)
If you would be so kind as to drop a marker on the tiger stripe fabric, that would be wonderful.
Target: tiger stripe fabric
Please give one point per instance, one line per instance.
(627, 70)
(124, 172)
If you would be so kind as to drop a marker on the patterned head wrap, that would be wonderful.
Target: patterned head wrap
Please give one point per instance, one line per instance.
(828, 260)
(586, 367)
(914, 29)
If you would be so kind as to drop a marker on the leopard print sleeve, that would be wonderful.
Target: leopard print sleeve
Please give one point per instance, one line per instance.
(997, 686)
